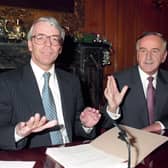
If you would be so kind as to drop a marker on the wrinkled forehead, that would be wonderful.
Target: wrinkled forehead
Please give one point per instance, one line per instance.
(151, 41)
(45, 28)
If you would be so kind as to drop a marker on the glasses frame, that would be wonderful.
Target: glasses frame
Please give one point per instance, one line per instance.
(41, 39)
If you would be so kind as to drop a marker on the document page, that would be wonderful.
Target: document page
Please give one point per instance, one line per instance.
(17, 164)
(84, 156)
(108, 151)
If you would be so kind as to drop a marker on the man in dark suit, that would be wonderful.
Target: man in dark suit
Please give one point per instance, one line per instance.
(126, 91)
(23, 121)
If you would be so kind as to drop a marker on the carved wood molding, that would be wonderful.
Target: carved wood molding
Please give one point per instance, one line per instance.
(71, 20)
(75, 20)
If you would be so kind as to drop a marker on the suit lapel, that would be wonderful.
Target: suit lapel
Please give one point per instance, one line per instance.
(137, 85)
(139, 97)
(31, 91)
(64, 92)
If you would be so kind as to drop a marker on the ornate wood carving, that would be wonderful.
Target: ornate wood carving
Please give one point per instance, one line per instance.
(73, 21)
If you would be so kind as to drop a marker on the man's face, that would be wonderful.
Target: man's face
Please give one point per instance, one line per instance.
(44, 52)
(150, 54)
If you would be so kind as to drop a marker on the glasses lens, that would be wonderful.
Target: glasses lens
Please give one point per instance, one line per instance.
(55, 40)
(41, 39)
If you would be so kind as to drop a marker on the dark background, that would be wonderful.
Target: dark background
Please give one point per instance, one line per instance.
(59, 5)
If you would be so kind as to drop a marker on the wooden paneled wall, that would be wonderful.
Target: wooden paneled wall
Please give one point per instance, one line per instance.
(121, 21)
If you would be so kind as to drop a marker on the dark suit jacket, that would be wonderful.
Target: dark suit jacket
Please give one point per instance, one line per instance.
(20, 98)
(134, 106)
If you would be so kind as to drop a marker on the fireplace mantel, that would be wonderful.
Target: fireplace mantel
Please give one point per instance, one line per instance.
(13, 55)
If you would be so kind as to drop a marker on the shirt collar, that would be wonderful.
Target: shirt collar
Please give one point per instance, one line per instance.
(38, 72)
(144, 75)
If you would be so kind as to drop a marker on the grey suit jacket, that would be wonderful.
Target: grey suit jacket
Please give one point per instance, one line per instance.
(20, 98)
(134, 106)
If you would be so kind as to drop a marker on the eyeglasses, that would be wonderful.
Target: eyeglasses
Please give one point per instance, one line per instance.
(154, 51)
(42, 38)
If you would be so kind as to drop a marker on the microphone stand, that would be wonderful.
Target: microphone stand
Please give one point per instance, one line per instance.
(123, 136)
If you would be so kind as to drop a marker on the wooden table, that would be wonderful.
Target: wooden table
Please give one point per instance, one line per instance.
(157, 159)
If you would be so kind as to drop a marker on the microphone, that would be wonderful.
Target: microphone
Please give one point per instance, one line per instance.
(122, 134)
(124, 137)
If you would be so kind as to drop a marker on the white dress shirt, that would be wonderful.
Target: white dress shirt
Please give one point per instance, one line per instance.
(144, 80)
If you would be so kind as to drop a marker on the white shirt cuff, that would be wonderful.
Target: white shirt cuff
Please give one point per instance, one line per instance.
(87, 130)
(17, 137)
(161, 124)
(162, 127)
(114, 115)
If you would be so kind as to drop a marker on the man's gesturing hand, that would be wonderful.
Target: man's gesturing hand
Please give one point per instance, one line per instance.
(35, 124)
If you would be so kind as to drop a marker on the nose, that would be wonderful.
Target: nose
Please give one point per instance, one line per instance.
(148, 54)
(48, 41)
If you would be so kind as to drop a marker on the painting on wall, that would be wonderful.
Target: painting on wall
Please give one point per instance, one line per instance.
(57, 5)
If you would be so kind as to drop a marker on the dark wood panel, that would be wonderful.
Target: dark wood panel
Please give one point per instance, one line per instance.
(60, 5)
(121, 23)
(94, 16)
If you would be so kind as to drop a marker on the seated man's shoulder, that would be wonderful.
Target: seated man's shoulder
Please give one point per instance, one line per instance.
(66, 74)
(9, 74)
(164, 73)
(128, 72)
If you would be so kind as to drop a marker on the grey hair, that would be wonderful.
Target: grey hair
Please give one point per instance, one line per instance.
(52, 21)
(155, 34)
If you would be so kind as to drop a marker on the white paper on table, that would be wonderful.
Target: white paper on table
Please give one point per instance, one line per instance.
(84, 156)
(17, 164)
(108, 151)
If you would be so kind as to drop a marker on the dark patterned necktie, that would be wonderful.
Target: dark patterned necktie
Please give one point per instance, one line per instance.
(50, 109)
(150, 99)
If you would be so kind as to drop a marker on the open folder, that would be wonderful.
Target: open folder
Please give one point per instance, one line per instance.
(108, 150)
(142, 143)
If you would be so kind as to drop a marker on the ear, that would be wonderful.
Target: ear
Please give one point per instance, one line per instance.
(164, 57)
(60, 50)
(29, 45)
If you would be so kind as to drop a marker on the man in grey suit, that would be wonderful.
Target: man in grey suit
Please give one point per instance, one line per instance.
(126, 91)
(23, 122)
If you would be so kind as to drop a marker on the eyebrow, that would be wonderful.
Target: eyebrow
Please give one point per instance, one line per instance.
(46, 34)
